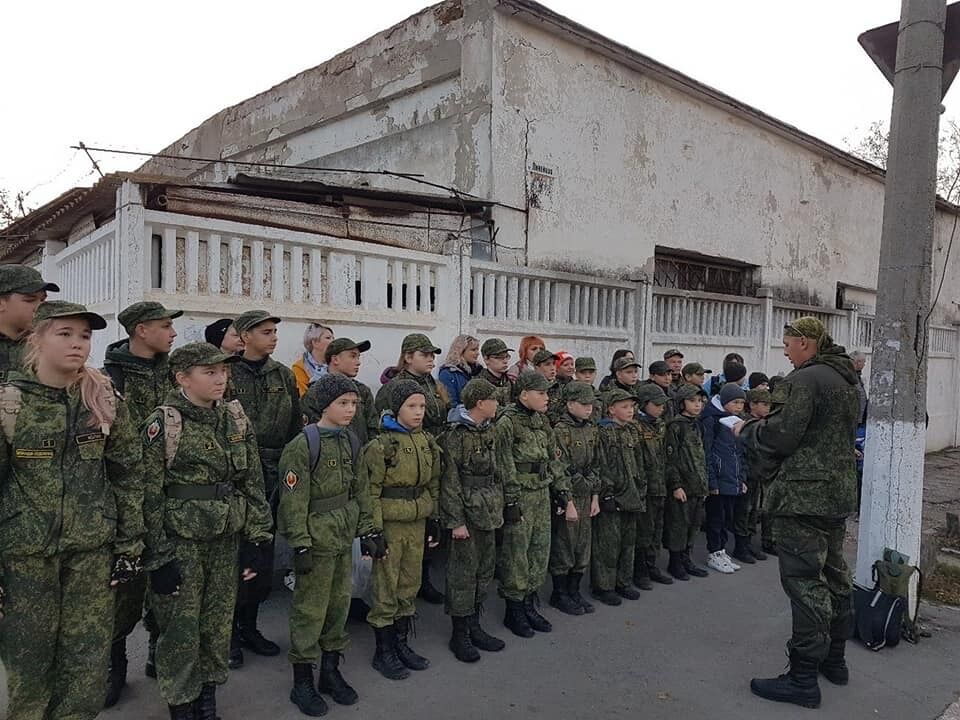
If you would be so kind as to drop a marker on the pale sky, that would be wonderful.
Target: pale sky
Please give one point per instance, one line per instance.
(126, 75)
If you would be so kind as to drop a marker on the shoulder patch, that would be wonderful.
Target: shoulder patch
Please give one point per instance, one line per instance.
(291, 479)
(153, 430)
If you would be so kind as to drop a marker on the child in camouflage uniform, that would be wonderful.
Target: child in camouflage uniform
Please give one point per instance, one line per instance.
(651, 458)
(401, 466)
(324, 505)
(578, 440)
(686, 472)
(623, 492)
(471, 503)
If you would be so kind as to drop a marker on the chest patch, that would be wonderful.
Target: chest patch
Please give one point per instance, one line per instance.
(291, 479)
(235, 438)
(276, 389)
(331, 463)
(47, 444)
(84, 439)
(33, 454)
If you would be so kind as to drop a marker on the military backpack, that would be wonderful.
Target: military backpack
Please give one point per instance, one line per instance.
(11, 400)
(173, 427)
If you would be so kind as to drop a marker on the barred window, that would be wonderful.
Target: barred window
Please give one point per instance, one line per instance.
(678, 270)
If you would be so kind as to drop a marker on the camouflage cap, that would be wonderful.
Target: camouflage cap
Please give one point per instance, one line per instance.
(198, 353)
(807, 327)
(585, 363)
(624, 363)
(543, 356)
(618, 395)
(648, 392)
(418, 341)
(252, 318)
(494, 346)
(141, 312)
(530, 380)
(759, 396)
(673, 352)
(400, 391)
(342, 345)
(63, 309)
(324, 391)
(688, 391)
(579, 392)
(659, 367)
(694, 369)
(476, 391)
(23, 279)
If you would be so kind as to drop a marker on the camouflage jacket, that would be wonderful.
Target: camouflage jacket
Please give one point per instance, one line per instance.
(620, 474)
(11, 356)
(503, 385)
(652, 457)
(212, 450)
(530, 453)
(686, 463)
(438, 404)
(471, 487)
(365, 424)
(579, 444)
(400, 459)
(66, 486)
(270, 399)
(327, 506)
(807, 440)
(145, 383)
(557, 406)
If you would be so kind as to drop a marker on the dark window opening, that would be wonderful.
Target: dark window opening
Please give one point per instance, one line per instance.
(678, 270)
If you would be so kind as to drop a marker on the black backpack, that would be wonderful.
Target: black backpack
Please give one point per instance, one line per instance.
(312, 433)
(879, 617)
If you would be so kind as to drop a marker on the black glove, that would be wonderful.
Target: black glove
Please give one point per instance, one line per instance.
(302, 560)
(166, 579)
(559, 503)
(125, 569)
(251, 556)
(608, 504)
(374, 545)
(433, 530)
(512, 513)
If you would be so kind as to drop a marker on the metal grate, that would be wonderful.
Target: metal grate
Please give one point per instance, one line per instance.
(682, 273)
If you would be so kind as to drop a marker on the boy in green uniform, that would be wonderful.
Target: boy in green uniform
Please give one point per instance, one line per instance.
(760, 473)
(496, 358)
(586, 372)
(623, 492)
(401, 466)
(268, 393)
(686, 473)
(22, 289)
(343, 357)
(530, 459)
(652, 457)
(324, 505)
(578, 441)
(471, 505)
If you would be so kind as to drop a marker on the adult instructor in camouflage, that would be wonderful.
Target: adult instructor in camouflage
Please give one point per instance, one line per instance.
(809, 437)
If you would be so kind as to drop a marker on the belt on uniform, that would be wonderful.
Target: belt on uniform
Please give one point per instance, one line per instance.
(477, 480)
(528, 468)
(329, 504)
(270, 453)
(218, 491)
(401, 493)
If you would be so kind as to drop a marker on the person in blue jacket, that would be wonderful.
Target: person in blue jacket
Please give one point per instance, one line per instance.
(461, 366)
(726, 471)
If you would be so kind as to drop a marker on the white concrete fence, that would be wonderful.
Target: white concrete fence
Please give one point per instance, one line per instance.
(214, 268)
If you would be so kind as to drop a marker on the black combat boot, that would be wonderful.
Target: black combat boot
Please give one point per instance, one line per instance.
(117, 675)
(658, 575)
(560, 597)
(769, 547)
(427, 591)
(250, 637)
(755, 550)
(798, 685)
(205, 706)
(460, 643)
(641, 576)
(607, 597)
(304, 695)
(515, 619)
(181, 712)
(406, 654)
(150, 669)
(574, 580)
(742, 552)
(691, 567)
(385, 660)
(235, 659)
(676, 566)
(627, 592)
(332, 682)
(834, 667)
(537, 621)
(480, 638)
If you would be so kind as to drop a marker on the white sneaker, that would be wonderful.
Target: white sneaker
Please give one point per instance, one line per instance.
(716, 562)
(729, 560)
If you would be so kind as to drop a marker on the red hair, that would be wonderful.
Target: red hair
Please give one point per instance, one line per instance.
(525, 344)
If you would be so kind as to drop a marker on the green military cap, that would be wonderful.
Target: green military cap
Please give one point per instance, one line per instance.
(198, 353)
(342, 345)
(543, 356)
(618, 394)
(24, 280)
(476, 391)
(530, 380)
(62, 309)
(141, 312)
(624, 363)
(585, 363)
(759, 396)
(580, 392)
(418, 341)
(673, 352)
(695, 369)
(494, 346)
(252, 318)
(648, 392)
(807, 327)
(688, 391)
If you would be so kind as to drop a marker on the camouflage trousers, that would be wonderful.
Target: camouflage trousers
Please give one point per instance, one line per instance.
(614, 544)
(817, 581)
(470, 568)
(525, 552)
(746, 513)
(55, 635)
(681, 522)
(195, 624)
(130, 606)
(396, 578)
(570, 542)
(321, 603)
(649, 532)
